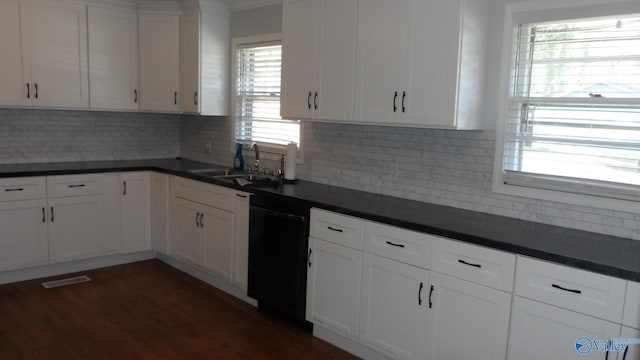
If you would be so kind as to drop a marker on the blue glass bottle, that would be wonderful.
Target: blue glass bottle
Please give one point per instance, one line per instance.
(238, 161)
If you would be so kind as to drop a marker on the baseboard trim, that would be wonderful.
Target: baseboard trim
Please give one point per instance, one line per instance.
(212, 280)
(347, 344)
(49, 270)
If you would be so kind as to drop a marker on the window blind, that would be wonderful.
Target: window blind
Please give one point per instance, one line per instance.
(258, 97)
(574, 109)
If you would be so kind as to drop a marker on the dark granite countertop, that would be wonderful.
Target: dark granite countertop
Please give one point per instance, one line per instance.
(604, 254)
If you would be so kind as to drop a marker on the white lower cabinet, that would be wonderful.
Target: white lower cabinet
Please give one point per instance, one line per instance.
(240, 272)
(76, 227)
(187, 234)
(205, 228)
(373, 286)
(160, 212)
(465, 320)
(135, 212)
(24, 234)
(541, 331)
(393, 307)
(632, 352)
(217, 235)
(333, 287)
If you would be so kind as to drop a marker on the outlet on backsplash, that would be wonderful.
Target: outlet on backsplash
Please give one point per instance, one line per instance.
(207, 147)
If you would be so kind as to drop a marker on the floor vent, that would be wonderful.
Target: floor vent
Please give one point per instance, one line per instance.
(64, 282)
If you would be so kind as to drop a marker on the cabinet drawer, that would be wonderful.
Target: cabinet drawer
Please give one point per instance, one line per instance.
(474, 263)
(211, 195)
(337, 228)
(582, 291)
(185, 189)
(74, 185)
(23, 188)
(406, 246)
(631, 315)
(217, 196)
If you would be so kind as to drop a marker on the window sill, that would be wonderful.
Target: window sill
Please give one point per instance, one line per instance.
(565, 197)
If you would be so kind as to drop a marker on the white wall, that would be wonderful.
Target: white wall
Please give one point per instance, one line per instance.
(264, 20)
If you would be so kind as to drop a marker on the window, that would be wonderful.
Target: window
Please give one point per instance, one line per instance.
(572, 119)
(257, 96)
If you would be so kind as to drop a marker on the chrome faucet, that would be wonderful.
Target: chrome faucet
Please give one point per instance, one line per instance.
(254, 146)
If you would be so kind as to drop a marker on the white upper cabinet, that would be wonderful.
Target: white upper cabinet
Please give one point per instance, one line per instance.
(113, 58)
(204, 59)
(319, 52)
(159, 68)
(14, 69)
(189, 62)
(298, 31)
(421, 63)
(383, 39)
(44, 57)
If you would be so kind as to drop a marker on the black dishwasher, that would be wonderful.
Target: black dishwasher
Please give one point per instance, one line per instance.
(278, 242)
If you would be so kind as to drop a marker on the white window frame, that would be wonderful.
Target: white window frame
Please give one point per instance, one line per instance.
(267, 151)
(531, 12)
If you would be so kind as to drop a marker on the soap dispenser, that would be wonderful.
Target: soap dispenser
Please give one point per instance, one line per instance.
(238, 160)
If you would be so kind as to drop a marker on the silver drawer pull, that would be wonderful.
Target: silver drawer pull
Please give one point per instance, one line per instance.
(469, 264)
(76, 186)
(14, 189)
(334, 229)
(575, 291)
(394, 244)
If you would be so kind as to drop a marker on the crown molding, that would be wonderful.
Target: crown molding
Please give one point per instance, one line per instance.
(240, 5)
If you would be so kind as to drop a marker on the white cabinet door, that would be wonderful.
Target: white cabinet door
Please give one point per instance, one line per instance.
(333, 287)
(160, 212)
(76, 227)
(318, 61)
(336, 59)
(44, 54)
(383, 28)
(159, 62)
(393, 307)
(540, 331)
(204, 63)
(240, 273)
(430, 80)
(113, 58)
(214, 71)
(189, 62)
(632, 352)
(466, 320)
(135, 211)
(217, 234)
(15, 57)
(58, 40)
(298, 58)
(24, 234)
(186, 240)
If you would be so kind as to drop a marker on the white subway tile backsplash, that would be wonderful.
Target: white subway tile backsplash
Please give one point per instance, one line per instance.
(453, 168)
(28, 135)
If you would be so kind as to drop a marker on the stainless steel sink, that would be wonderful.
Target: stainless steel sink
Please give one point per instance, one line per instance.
(211, 172)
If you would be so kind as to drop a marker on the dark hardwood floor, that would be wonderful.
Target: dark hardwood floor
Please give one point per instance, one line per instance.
(145, 310)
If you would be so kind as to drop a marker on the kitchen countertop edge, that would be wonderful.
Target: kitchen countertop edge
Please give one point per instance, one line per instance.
(604, 254)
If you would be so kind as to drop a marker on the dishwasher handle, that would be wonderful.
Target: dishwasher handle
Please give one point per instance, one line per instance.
(290, 217)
